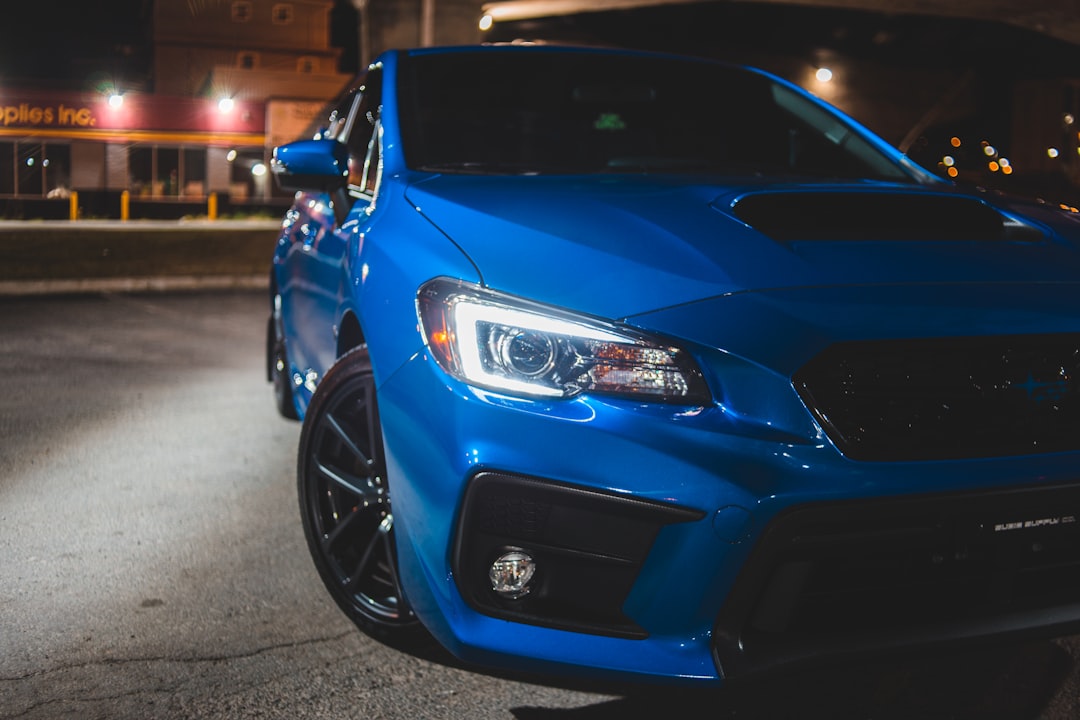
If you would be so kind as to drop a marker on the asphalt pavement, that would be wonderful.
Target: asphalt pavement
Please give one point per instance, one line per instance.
(152, 563)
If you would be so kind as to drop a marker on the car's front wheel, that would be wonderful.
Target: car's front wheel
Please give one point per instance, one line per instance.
(345, 502)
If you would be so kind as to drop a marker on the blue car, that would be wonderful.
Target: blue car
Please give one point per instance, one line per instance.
(631, 366)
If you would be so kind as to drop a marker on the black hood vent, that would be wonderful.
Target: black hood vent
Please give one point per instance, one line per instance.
(795, 216)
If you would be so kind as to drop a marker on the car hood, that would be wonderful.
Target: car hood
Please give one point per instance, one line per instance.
(619, 246)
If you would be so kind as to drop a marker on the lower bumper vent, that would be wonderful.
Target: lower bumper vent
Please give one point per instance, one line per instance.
(588, 547)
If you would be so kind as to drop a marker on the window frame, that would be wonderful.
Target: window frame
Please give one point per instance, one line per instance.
(245, 54)
(289, 15)
(243, 16)
(365, 148)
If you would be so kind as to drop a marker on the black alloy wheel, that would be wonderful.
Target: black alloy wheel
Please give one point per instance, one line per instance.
(345, 503)
(277, 363)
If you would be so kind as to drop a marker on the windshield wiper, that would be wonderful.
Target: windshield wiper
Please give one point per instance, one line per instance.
(644, 163)
(474, 167)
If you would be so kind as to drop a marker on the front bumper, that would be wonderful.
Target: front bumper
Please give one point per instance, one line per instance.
(736, 518)
(840, 578)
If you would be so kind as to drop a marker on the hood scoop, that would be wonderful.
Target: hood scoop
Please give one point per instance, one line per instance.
(877, 216)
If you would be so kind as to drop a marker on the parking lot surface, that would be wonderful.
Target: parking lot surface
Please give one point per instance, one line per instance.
(152, 563)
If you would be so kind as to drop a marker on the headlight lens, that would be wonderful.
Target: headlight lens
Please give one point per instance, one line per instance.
(495, 341)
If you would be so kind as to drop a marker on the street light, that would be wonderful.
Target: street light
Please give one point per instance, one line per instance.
(363, 32)
(427, 23)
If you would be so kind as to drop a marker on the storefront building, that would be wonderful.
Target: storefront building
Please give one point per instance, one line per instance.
(152, 145)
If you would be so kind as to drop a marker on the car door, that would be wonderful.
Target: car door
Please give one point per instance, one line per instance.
(315, 264)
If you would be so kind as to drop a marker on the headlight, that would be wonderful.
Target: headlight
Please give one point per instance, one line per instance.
(495, 341)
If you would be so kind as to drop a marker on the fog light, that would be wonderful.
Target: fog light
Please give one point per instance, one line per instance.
(510, 574)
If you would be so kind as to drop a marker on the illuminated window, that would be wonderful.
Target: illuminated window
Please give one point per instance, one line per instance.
(283, 13)
(8, 170)
(241, 10)
(39, 169)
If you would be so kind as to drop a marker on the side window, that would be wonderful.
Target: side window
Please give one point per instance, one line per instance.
(282, 13)
(363, 138)
(337, 124)
(241, 11)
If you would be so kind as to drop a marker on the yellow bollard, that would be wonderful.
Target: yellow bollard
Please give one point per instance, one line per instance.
(125, 205)
(73, 206)
(211, 206)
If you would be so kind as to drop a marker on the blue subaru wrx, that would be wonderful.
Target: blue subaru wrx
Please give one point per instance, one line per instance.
(644, 367)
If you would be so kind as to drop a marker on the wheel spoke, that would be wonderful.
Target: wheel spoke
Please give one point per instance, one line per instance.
(376, 540)
(349, 443)
(387, 538)
(344, 523)
(362, 488)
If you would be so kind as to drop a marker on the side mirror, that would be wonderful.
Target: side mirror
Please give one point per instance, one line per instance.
(311, 165)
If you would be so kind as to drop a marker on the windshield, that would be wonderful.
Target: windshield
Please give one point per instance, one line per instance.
(559, 111)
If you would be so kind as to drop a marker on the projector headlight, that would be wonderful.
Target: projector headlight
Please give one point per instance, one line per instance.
(503, 343)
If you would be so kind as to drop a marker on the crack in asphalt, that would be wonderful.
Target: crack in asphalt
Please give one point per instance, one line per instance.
(108, 662)
(163, 688)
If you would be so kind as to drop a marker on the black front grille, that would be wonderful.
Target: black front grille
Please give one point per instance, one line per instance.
(842, 578)
(947, 398)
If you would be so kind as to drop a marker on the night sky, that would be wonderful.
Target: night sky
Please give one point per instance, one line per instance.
(74, 44)
(79, 44)
(84, 45)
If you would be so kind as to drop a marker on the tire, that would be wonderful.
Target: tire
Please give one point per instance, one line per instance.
(345, 503)
(277, 364)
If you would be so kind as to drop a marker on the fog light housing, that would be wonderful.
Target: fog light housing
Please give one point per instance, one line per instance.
(511, 573)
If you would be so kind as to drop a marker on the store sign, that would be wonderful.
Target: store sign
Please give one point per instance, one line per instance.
(60, 115)
(139, 117)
